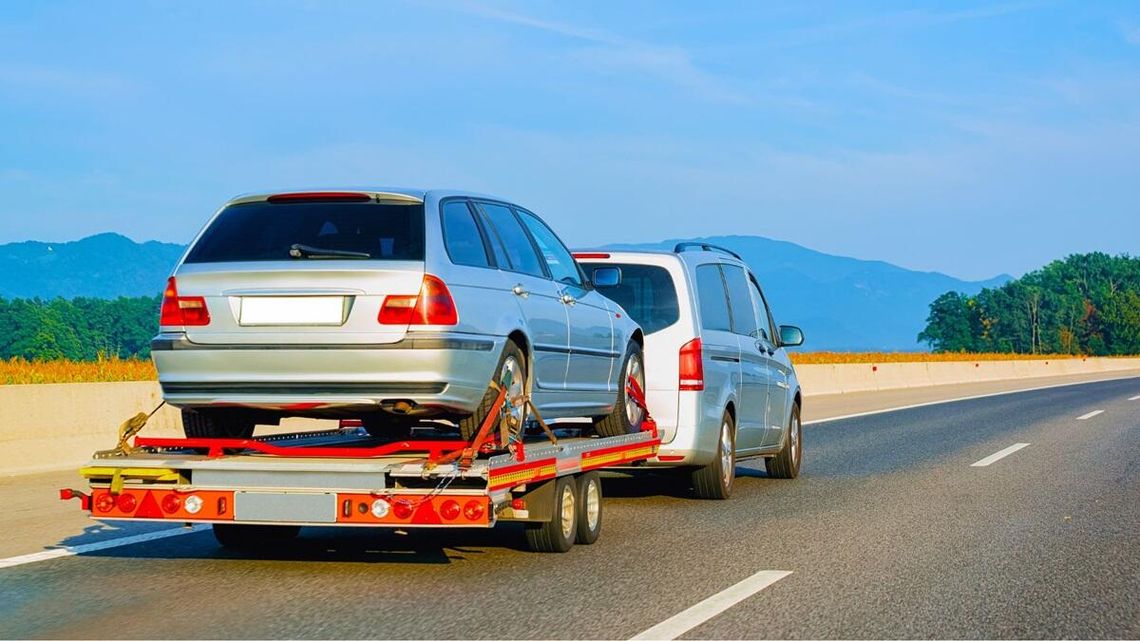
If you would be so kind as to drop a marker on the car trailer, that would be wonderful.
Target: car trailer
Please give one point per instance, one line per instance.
(261, 491)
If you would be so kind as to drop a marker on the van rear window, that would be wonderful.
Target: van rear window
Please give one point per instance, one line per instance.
(646, 293)
(262, 231)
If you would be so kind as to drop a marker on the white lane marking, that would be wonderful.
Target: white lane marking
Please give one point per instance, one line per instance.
(690, 618)
(1135, 398)
(1085, 417)
(997, 456)
(955, 400)
(58, 553)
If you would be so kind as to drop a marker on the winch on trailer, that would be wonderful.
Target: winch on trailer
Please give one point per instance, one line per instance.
(260, 490)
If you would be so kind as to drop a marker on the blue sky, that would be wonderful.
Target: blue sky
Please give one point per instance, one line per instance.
(967, 138)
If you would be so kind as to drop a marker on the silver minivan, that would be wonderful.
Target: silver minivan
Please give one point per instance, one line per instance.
(388, 306)
(721, 386)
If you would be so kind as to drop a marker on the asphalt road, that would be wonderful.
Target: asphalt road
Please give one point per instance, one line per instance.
(891, 531)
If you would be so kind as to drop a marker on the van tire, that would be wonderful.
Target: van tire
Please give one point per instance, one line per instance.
(786, 464)
(469, 425)
(617, 422)
(715, 480)
(211, 423)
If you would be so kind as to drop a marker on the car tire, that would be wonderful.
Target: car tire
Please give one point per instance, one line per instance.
(626, 416)
(786, 464)
(216, 424)
(715, 480)
(469, 425)
(559, 533)
(589, 508)
(253, 537)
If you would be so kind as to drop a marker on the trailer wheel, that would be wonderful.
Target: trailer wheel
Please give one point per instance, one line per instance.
(627, 416)
(589, 508)
(514, 361)
(253, 537)
(557, 534)
(216, 424)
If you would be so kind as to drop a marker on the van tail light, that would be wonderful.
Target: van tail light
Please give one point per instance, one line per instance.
(182, 310)
(692, 370)
(432, 306)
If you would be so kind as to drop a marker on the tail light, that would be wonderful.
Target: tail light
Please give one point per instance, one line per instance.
(692, 370)
(182, 310)
(432, 306)
(474, 510)
(127, 502)
(450, 510)
(171, 503)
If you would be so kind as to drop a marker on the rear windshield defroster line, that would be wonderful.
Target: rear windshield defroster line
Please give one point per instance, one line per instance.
(262, 231)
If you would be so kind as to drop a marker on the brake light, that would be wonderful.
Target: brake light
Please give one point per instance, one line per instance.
(589, 255)
(182, 310)
(692, 369)
(321, 196)
(432, 306)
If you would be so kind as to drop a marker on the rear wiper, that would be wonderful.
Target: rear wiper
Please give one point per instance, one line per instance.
(306, 251)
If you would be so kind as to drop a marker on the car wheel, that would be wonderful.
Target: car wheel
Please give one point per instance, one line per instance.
(786, 464)
(715, 480)
(512, 362)
(559, 533)
(216, 424)
(626, 416)
(589, 508)
(253, 537)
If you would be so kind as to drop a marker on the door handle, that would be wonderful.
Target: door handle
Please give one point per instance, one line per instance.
(567, 299)
(520, 291)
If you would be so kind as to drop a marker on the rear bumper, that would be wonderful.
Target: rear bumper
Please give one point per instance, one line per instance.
(437, 373)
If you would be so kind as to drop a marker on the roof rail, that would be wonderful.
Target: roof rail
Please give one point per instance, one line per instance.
(705, 247)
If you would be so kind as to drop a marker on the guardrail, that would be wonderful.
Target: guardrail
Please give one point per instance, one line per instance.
(58, 426)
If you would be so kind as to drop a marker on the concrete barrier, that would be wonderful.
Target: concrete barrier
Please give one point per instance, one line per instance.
(52, 427)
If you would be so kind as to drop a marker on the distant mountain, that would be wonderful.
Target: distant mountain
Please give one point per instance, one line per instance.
(842, 304)
(101, 266)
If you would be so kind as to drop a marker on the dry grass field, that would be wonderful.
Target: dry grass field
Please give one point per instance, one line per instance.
(18, 371)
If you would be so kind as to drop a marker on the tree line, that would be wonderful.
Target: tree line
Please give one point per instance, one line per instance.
(1084, 304)
(81, 329)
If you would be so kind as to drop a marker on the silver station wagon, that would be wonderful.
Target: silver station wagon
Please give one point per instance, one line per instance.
(390, 306)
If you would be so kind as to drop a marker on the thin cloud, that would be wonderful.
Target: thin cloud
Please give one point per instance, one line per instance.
(612, 52)
(1131, 34)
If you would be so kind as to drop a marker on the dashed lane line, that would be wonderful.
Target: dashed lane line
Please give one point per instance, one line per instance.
(997, 456)
(690, 618)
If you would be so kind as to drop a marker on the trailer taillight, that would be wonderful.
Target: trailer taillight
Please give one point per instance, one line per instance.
(105, 503)
(182, 310)
(450, 510)
(432, 306)
(380, 508)
(474, 510)
(171, 503)
(691, 375)
(127, 503)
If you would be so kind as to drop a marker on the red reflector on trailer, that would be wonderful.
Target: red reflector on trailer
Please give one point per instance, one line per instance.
(149, 508)
(321, 196)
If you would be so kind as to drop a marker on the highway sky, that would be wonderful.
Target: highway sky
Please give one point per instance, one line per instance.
(969, 138)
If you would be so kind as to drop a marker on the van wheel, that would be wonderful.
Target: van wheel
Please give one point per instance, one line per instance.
(253, 537)
(216, 424)
(786, 464)
(559, 533)
(627, 416)
(513, 362)
(715, 480)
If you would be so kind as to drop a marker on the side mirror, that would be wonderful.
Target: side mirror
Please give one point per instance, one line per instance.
(790, 336)
(606, 277)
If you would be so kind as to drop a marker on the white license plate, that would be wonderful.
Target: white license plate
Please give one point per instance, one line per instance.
(292, 310)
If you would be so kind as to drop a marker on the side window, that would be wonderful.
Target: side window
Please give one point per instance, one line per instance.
(744, 318)
(765, 311)
(562, 266)
(462, 237)
(520, 252)
(712, 298)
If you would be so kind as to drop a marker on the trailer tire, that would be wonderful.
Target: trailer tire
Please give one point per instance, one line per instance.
(589, 508)
(557, 534)
(253, 537)
(626, 416)
(469, 425)
(216, 424)
(714, 481)
(786, 464)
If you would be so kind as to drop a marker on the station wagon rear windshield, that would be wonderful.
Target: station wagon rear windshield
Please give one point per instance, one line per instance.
(263, 231)
(646, 293)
